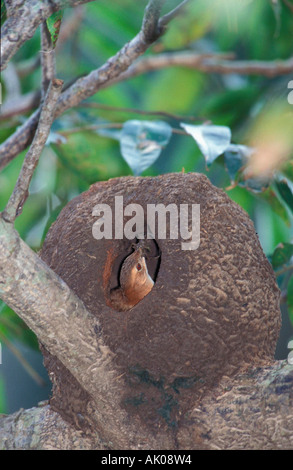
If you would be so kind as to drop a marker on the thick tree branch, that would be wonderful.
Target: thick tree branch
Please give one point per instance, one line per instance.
(20, 193)
(62, 323)
(43, 428)
(252, 411)
(9, 5)
(22, 24)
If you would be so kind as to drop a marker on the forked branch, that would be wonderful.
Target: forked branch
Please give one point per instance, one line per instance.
(20, 192)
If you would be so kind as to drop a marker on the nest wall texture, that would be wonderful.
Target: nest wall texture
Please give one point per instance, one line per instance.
(212, 311)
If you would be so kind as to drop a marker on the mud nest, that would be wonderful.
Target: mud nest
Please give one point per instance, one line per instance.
(212, 311)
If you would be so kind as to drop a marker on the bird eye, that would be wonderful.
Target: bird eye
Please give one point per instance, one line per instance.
(138, 266)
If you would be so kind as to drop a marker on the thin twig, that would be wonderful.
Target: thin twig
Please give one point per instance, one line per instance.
(25, 364)
(140, 111)
(12, 83)
(85, 86)
(172, 14)
(122, 67)
(21, 105)
(108, 125)
(27, 66)
(215, 63)
(91, 127)
(283, 270)
(103, 77)
(18, 141)
(20, 192)
(288, 4)
(70, 25)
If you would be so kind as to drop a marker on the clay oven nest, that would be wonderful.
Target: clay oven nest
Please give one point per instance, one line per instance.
(211, 311)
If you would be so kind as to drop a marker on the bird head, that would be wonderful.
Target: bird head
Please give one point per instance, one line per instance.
(134, 277)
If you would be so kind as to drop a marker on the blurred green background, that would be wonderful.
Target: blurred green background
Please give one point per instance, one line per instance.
(252, 30)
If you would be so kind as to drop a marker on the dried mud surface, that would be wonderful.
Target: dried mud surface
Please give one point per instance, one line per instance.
(212, 311)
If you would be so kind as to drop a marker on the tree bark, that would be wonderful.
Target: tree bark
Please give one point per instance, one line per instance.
(150, 379)
(251, 411)
(47, 305)
(22, 24)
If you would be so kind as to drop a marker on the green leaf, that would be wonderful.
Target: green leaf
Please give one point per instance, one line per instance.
(141, 143)
(236, 157)
(53, 24)
(272, 199)
(211, 140)
(282, 255)
(256, 185)
(3, 12)
(13, 327)
(90, 157)
(285, 192)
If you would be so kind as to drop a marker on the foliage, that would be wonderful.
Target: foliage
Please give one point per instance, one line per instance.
(248, 115)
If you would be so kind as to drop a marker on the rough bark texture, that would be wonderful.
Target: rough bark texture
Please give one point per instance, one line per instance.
(250, 411)
(71, 333)
(22, 24)
(213, 312)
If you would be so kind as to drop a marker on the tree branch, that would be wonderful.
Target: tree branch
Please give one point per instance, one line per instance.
(122, 67)
(69, 332)
(209, 63)
(150, 26)
(9, 7)
(172, 14)
(89, 85)
(19, 106)
(20, 193)
(289, 5)
(252, 411)
(22, 24)
(143, 112)
(47, 59)
(111, 125)
(104, 77)
(18, 141)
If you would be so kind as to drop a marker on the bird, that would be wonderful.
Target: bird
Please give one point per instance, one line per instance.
(134, 280)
